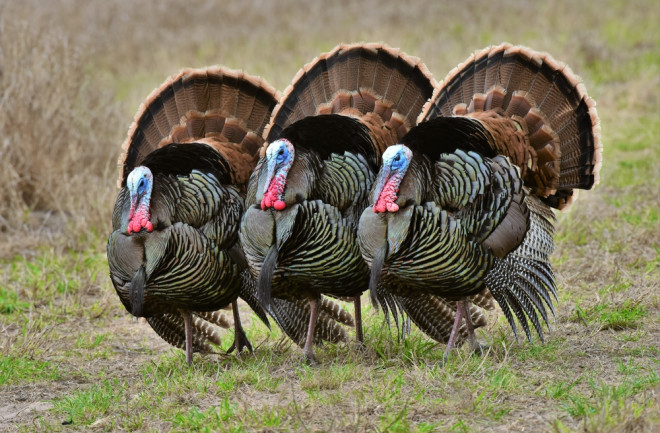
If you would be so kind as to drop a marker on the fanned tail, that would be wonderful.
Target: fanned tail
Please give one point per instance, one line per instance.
(223, 108)
(558, 136)
(382, 85)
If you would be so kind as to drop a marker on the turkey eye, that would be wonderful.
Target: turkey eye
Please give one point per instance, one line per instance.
(398, 157)
(281, 152)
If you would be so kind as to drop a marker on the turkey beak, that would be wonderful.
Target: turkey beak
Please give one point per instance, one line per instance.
(383, 176)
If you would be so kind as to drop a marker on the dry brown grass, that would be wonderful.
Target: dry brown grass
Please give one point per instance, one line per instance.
(72, 74)
(59, 126)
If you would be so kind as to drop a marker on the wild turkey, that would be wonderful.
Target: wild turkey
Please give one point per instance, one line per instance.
(226, 110)
(305, 197)
(463, 203)
(189, 154)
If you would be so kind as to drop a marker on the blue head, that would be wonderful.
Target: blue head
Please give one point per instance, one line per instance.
(140, 186)
(396, 160)
(279, 159)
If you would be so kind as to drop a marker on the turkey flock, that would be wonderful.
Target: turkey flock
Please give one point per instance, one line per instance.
(364, 175)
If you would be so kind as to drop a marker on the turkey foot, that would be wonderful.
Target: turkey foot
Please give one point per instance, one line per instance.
(359, 346)
(240, 339)
(309, 358)
(479, 349)
(462, 310)
(240, 342)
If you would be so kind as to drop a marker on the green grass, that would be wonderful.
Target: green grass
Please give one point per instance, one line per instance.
(617, 317)
(67, 97)
(205, 421)
(15, 369)
(84, 407)
(603, 397)
(9, 302)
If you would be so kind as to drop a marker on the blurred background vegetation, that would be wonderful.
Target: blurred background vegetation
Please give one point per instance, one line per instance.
(72, 76)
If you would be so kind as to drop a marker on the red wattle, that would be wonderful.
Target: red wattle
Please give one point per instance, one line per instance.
(140, 220)
(387, 198)
(273, 196)
(380, 207)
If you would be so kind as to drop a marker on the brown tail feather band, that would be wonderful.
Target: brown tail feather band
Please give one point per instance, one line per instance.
(224, 108)
(356, 79)
(561, 120)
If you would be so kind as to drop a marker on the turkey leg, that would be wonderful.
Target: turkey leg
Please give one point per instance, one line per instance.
(187, 320)
(309, 341)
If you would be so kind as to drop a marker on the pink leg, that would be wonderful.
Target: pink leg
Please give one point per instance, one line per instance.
(468, 325)
(454, 330)
(187, 320)
(309, 342)
(475, 346)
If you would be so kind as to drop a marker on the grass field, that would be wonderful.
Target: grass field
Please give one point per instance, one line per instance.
(72, 74)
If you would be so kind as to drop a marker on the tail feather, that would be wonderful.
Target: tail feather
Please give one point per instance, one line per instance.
(292, 316)
(223, 108)
(435, 316)
(336, 312)
(170, 327)
(483, 299)
(542, 95)
(214, 317)
(204, 323)
(355, 80)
